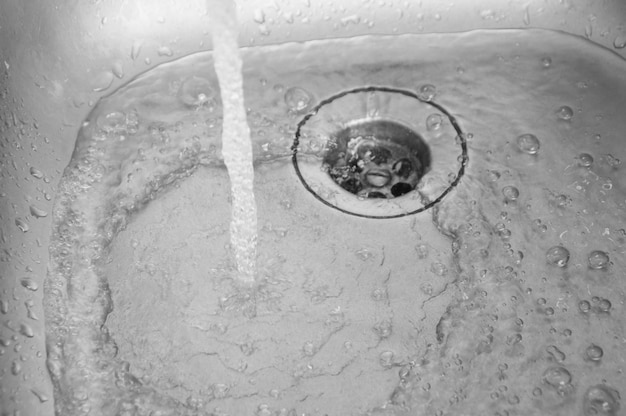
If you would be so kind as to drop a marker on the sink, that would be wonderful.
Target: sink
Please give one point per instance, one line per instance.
(503, 277)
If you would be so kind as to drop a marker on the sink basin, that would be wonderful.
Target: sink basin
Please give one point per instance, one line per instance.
(513, 274)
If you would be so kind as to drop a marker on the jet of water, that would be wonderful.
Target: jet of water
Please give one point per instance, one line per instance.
(236, 143)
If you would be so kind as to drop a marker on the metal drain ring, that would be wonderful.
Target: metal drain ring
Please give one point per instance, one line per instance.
(460, 138)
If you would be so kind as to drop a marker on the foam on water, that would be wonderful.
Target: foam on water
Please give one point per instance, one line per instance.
(508, 298)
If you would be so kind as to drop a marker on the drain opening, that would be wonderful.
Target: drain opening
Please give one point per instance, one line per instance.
(377, 152)
(377, 158)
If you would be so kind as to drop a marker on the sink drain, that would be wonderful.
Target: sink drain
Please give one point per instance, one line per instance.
(377, 158)
(379, 152)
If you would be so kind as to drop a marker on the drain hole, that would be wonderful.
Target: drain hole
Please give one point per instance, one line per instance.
(377, 158)
(375, 152)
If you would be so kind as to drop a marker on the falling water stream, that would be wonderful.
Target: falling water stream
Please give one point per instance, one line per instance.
(236, 143)
(506, 298)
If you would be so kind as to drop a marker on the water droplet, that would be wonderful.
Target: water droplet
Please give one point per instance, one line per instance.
(422, 251)
(427, 92)
(601, 400)
(557, 377)
(612, 161)
(546, 62)
(37, 212)
(556, 353)
(604, 305)
(598, 260)
(528, 143)
(102, 81)
(510, 193)
(565, 113)
(165, 51)
(557, 256)
(386, 359)
(135, 49)
(29, 284)
(22, 225)
(259, 16)
(26, 330)
(309, 349)
(4, 306)
(433, 122)
(118, 69)
(196, 91)
(16, 368)
(40, 395)
(439, 269)
(298, 100)
(36, 173)
(584, 306)
(619, 42)
(594, 353)
(585, 160)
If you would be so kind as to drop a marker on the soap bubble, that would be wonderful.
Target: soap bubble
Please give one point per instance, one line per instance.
(598, 260)
(557, 256)
(528, 143)
(298, 100)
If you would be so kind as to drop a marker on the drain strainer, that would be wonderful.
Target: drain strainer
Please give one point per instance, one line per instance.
(379, 152)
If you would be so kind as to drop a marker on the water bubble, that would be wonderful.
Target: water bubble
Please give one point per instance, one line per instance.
(37, 212)
(601, 400)
(585, 160)
(4, 306)
(619, 42)
(427, 92)
(557, 256)
(546, 62)
(598, 260)
(298, 100)
(594, 353)
(433, 122)
(565, 113)
(196, 91)
(36, 173)
(528, 143)
(22, 225)
(29, 284)
(510, 193)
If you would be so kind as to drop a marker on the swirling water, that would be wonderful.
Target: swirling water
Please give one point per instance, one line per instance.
(506, 298)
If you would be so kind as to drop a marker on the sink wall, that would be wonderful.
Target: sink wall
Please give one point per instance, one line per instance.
(58, 58)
